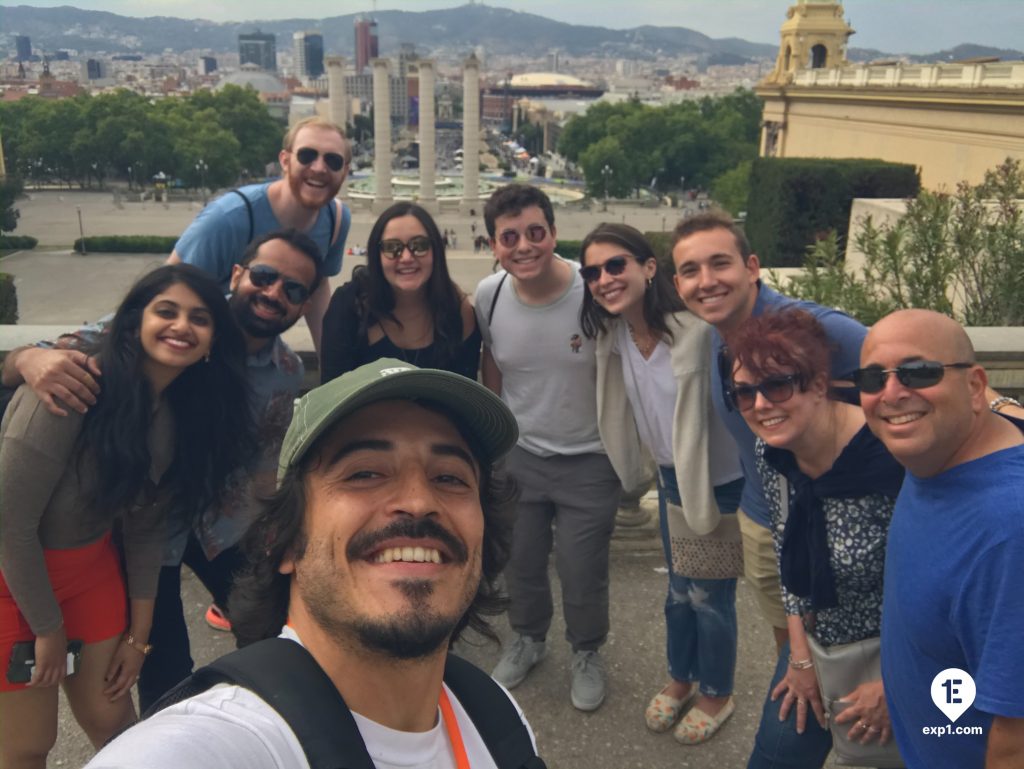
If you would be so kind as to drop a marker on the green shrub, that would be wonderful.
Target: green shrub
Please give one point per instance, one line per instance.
(961, 254)
(8, 301)
(569, 249)
(795, 202)
(137, 244)
(17, 242)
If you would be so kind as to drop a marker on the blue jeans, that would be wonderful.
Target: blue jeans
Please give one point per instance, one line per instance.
(700, 614)
(777, 744)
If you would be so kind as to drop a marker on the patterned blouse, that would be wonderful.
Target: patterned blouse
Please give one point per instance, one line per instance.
(857, 530)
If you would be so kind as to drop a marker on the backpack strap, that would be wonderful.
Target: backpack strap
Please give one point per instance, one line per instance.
(248, 209)
(332, 217)
(285, 676)
(493, 715)
(494, 299)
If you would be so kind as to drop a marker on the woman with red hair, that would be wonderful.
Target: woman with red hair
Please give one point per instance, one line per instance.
(831, 486)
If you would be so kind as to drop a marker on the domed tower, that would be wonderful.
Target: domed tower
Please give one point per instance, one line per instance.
(814, 36)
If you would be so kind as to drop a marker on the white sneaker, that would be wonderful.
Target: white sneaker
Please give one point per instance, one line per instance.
(518, 659)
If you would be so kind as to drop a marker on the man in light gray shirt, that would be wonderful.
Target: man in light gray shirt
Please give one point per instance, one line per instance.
(536, 357)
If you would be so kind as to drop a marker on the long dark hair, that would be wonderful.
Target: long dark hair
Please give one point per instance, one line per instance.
(660, 298)
(259, 598)
(444, 298)
(209, 403)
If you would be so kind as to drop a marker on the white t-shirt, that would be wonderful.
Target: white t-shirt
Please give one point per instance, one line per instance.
(652, 389)
(548, 369)
(230, 727)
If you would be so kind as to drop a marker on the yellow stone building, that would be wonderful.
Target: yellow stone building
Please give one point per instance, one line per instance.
(953, 121)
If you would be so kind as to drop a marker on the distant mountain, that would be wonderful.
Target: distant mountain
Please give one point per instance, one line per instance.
(496, 30)
(970, 51)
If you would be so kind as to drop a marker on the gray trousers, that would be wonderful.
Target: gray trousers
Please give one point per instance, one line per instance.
(568, 501)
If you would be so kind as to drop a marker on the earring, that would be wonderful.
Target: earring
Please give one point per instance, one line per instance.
(206, 358)
(650, 282)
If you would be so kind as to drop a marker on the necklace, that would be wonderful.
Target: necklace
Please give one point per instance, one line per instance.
(647, 346)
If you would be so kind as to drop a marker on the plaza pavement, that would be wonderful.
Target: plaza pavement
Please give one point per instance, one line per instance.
(60, 288)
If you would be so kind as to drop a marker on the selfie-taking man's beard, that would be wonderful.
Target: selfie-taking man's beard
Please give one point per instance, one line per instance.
(411, 632)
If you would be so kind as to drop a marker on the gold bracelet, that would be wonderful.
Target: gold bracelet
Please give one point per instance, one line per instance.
(800, 664)
(143, 649)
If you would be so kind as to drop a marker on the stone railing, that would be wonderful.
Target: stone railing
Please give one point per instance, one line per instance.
(1001, 74)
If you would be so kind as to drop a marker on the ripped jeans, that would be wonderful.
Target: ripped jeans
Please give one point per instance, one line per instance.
(700, 614)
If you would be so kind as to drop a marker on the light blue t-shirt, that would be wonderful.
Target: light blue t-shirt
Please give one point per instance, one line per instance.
(847, 337)
(952, 600)
(216, 239)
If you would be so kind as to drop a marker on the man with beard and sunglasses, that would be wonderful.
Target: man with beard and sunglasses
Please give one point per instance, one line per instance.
(314, 158)
(952, 615)
(383, 542)
(270, 289)
(536, 357)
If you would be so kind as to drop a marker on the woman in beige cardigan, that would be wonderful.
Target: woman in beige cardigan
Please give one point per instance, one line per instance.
(654, 401)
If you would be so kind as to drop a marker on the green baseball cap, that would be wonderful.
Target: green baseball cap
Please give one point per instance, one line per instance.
(481, 413)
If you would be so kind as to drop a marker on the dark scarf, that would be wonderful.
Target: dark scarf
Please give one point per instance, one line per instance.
(863, 467)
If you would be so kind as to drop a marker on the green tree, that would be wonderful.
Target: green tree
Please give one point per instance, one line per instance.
(731, 189)
(10, 190)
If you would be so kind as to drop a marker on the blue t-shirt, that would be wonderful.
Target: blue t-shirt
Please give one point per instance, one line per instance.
(217, 237)
(953, 599)
(846, 335)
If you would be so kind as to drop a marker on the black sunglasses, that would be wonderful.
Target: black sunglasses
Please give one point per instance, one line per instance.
(307, 155)
(263, 275)
(418, 246)
(534, 233)
(614, 266)
(777, 389)
(915, 375)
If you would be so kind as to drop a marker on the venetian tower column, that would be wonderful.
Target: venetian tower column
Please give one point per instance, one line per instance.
(470, 133)
(428, 196)
(337, 99)
(381, 135)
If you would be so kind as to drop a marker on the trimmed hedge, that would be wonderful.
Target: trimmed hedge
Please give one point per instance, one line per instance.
(569, 249)
(795, 202)
(137, 244)
(8, 301)
(17, 242)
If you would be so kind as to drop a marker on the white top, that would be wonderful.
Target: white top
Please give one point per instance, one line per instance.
(548, 370)
(229, 727)
(653, 389)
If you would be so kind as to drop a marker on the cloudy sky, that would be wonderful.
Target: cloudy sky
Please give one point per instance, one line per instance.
(910, 26)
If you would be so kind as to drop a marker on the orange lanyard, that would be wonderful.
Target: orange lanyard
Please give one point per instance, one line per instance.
(452, 726)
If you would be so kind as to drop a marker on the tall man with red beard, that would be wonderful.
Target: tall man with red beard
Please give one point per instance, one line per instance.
(315, 158)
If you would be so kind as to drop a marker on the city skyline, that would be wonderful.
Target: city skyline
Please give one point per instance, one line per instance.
(897, 26)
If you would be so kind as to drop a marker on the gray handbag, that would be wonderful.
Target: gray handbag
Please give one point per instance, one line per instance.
(840, 669)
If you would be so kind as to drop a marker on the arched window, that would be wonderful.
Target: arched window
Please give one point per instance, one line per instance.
(819, 55)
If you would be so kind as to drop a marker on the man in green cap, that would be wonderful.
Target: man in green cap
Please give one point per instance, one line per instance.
(380, 546)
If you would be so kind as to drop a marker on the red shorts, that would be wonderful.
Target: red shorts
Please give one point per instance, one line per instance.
(90, 589)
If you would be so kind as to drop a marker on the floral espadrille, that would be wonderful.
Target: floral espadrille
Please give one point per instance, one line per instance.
(664, 710)
(698, 726)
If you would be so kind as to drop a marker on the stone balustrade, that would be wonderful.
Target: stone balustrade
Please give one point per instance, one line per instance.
(999, 74)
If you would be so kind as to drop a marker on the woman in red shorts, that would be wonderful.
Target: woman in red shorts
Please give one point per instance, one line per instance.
(171, 422)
